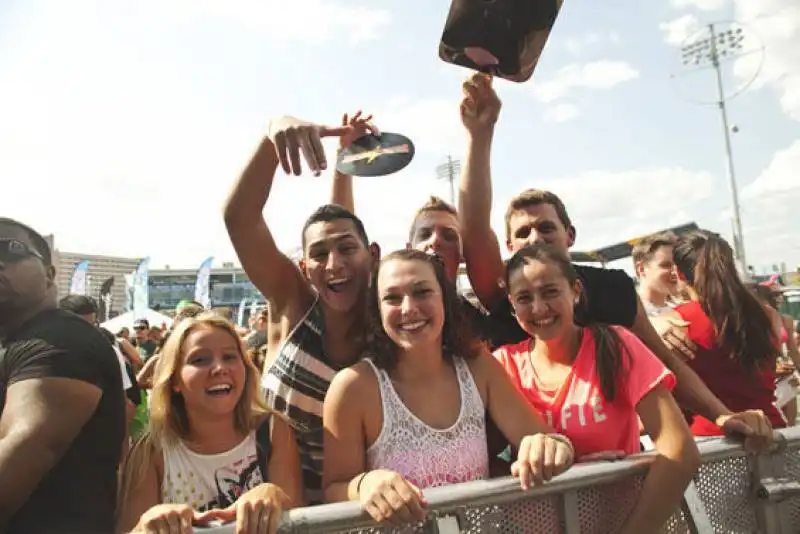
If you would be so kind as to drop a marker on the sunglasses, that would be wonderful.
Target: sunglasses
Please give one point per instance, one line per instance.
(12, 250)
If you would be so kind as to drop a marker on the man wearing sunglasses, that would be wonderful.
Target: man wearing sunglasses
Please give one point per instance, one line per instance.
(62, 409)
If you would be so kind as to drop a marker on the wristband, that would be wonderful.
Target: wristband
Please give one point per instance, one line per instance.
(358, 486)
(563, 439)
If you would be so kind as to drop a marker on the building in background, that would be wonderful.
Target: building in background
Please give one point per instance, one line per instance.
(100, 268)
(228, 286)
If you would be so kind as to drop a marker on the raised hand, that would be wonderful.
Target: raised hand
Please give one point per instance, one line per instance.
(480, 106)
(293, 137)
(358, 126)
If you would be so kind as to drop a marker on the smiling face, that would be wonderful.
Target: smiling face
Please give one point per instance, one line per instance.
(337, 263)
(658, 273)
(411, 303)
(543, 299)
(212, 372)
(538, 223)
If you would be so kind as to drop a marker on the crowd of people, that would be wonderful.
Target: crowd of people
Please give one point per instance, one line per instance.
(369, 377)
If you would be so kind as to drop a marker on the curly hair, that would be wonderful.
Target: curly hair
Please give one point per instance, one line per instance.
(458, 338)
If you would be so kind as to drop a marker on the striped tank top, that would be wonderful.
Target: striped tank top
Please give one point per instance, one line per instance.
(295, 385)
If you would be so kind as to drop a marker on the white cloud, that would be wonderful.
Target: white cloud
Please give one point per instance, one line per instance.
(561, 113)
(295, 20)
(780, 175)
(677, 31)
(702, 5)
(608, 207)
(578, 45)
(432, 123)
(604, 74)
(775, 24)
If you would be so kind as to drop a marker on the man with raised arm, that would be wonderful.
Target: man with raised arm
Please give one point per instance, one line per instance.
(540, 216)
(316, 317)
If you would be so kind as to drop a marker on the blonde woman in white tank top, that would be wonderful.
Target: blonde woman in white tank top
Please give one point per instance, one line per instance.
(213, 451)
(412, 416)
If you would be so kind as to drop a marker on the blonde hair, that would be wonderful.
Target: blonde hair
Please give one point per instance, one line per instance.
(169, 421)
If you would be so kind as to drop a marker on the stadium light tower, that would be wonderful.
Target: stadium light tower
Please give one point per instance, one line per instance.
(449, 171)
(709, 51)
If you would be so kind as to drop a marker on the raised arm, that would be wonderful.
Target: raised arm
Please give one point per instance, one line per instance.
(342, 193)
(271, 271)
(480, 108)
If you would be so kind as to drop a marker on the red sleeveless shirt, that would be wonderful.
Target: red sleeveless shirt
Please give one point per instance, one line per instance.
(737, 387)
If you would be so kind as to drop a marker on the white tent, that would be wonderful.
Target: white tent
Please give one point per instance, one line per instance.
(128, 318)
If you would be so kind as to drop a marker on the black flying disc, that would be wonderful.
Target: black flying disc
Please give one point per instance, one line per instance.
(373, 155)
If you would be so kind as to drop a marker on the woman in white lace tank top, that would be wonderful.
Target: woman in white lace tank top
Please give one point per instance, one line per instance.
(213, 450)
(412, 416)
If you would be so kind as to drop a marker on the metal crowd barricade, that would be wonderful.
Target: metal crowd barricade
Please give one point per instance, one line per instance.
(732, 493)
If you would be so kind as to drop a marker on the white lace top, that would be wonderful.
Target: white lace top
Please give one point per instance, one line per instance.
(428, 457)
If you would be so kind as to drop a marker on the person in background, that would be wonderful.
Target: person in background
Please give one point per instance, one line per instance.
(124, 333)
(142, 342)
(788, 384)
(411, 415)
(596, 382)
(86, 308)
(212, 450)
(655, 271)
(736, 346)
(62, 408)
(258, 333)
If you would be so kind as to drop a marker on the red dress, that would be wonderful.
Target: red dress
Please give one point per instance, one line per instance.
(737, 387)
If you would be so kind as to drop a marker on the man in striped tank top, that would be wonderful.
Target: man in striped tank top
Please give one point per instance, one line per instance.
(316, 309)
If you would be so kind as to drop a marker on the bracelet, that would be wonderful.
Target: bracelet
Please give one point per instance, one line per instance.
(563, 439)
(360, 480)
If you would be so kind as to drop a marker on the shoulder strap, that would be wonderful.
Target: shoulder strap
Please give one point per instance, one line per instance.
(264, 446)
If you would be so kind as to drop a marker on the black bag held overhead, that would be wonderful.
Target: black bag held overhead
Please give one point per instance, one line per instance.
(503, 38)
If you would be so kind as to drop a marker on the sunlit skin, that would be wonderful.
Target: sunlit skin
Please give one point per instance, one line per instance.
(337, 263)
(543, 300)
(538, 223)
(211, 362)
(411, 305)
(658, 276)
(438, 232)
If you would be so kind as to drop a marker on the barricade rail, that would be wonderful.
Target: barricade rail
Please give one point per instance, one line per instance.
(732, 492)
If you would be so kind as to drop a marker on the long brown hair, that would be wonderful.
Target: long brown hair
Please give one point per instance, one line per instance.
(458, 339)
(742, 326)
(609, 348)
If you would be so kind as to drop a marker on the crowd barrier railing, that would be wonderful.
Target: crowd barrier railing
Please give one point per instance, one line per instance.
(732, 492)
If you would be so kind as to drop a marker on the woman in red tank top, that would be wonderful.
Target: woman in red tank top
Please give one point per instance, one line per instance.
(735, 351)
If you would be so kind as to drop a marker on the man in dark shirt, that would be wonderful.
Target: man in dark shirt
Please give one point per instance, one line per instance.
(540, 216)
(62, 411)
(143, 342)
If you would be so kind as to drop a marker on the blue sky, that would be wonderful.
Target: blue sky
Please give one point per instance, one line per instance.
(124, 123)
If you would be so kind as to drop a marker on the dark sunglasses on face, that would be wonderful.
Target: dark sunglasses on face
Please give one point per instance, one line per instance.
(12, 250)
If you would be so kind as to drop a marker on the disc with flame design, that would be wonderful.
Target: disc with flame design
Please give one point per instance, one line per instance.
(376, 155)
